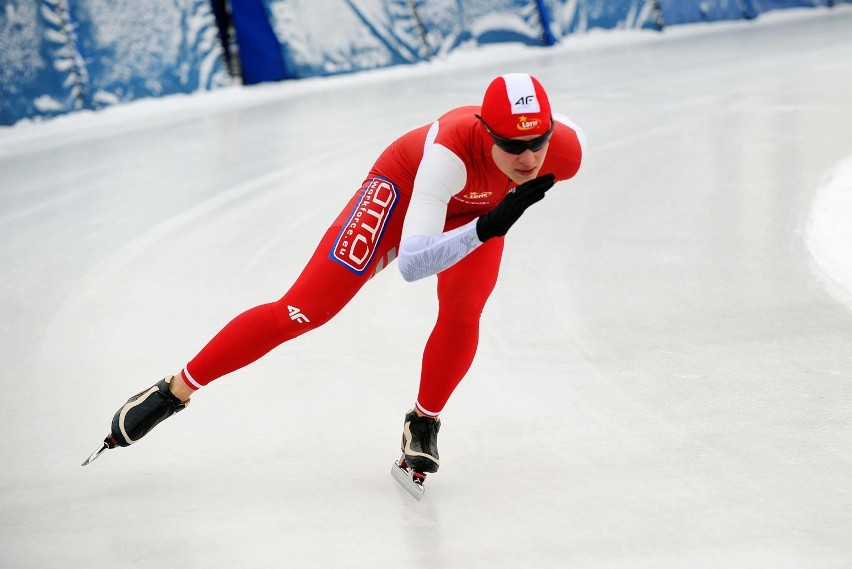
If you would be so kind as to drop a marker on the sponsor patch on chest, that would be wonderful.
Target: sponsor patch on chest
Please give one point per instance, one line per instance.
(474, 197)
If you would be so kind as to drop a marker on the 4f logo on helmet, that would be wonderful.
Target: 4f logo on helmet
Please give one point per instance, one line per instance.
(523, 94)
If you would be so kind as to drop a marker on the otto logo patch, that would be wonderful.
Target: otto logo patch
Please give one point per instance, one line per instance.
(527, 124)
(357, 242)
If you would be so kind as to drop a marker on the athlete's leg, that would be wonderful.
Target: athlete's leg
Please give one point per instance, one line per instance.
(258, 330)
(463, 290)
(352, 250)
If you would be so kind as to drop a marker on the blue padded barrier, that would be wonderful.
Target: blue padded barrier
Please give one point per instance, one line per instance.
(261, 57)
(41, 72)
(571, 17)
(58, 56)
(134, 50)
(680, 12)
(767, 5)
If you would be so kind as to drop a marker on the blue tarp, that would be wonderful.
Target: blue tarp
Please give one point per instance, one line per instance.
(368, 34)
(40, 70)
(57, 56)
(572, 17)
(680, 12)
(767, 5)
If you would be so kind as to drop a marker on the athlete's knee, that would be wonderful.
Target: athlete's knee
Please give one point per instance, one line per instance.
(465, 303)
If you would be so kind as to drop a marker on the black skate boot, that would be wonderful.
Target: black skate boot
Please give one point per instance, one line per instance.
(143, 412)
(139, 415)
(420, 442)
(419, 453)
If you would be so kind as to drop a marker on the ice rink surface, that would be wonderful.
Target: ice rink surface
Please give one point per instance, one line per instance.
(664, 377)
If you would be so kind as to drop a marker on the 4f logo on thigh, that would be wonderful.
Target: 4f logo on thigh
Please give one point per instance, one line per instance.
(296, 315)
(359, 238)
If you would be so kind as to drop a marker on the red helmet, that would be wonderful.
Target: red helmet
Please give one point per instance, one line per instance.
(516, 104)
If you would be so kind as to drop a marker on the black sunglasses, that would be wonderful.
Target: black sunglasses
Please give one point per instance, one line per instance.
(513, 146)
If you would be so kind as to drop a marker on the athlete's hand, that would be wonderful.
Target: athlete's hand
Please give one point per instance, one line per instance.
(497, 222)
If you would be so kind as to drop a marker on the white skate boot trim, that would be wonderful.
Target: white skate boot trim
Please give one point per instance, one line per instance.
(403, 476)
(411, 452)
(130, 406)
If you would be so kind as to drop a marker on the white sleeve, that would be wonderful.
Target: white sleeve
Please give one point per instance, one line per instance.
(425, 255)
(424, 248)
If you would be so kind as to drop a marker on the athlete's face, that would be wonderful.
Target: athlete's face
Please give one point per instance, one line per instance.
(519, 167)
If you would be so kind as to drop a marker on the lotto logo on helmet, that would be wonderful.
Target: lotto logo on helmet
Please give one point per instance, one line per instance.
(528, 124)
(357, 242)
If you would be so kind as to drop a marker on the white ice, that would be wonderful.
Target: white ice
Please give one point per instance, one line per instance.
(665, 372)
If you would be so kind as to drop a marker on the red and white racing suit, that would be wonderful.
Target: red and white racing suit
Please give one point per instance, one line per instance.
(420, 202)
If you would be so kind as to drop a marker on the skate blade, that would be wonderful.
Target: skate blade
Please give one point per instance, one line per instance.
(404, 477)
(96, 454)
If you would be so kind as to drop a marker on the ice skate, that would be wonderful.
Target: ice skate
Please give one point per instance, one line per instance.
(419, 453)
(420, 442)
(139, 415)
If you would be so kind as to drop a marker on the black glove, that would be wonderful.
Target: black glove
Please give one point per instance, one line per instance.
(498, 221)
